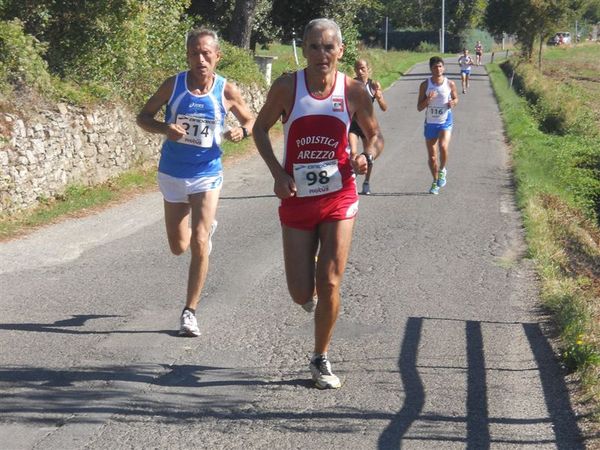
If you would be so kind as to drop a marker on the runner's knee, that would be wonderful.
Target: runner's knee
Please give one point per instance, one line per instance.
(199, 242)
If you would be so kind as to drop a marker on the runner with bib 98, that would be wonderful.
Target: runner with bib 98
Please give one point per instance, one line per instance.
(316, 181)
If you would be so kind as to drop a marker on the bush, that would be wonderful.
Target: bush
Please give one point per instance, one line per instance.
(238, 64)
(426, 47)
(122, 47)
(470, 37)
(21, 59)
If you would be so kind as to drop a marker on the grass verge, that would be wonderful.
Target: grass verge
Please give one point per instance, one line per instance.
(562, 240)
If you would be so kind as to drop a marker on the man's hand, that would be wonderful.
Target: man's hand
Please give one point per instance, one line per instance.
(175, 132)
(376, 88)
(359, 164)
(284, 186)
(234, 134)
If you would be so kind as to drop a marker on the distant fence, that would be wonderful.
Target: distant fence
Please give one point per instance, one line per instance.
(410, 40)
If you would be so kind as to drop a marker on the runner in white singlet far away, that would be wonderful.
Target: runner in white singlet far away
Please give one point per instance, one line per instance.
(362, 72)
(465, 62)
(316, 181)
(437, 95)
(190, 173)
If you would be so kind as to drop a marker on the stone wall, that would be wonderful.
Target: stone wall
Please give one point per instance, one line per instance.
(47, 150)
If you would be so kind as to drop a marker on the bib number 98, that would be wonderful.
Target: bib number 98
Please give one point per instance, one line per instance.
(317, 178)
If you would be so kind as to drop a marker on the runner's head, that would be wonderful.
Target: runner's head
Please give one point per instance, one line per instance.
(361, 69)
(322, 45)
(203, 51)
(323, 24)
(465, 52)
(436, 65)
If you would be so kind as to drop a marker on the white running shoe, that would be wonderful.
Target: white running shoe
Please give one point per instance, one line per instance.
(311, 305)
(212, 230)
(189, 325)
(320, 368)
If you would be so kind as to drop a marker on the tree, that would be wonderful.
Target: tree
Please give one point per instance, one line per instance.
(426, 15)
(240, 28)
(528, 19)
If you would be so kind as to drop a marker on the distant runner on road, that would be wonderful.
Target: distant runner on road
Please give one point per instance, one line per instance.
(438, 96)
(362, 71)
(465, 62)
(190, 173)
(478, 52)
(316, 182)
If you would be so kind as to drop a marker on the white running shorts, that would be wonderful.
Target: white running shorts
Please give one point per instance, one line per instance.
(178, 190)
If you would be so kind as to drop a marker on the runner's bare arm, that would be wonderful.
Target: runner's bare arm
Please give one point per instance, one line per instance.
(378, 92)
(278, 104)
(453, 94)
(236, 104)
(364, 114)
(423, 99)
(146, 120)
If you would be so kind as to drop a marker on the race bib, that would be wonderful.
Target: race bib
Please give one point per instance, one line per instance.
(437, 114)
(199, 131)
(317, 178)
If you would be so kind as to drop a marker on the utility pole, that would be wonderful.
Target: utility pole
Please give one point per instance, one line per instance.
(442, 43)
(387, 23)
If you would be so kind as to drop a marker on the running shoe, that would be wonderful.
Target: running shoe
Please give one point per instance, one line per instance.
(441, 181)
(365, 188)
(435, 189)
(320, 368)
(189, 325)
(311, 305)
(212, 230)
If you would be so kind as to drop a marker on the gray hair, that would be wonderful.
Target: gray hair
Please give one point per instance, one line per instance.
(323, 24)
(198, 33)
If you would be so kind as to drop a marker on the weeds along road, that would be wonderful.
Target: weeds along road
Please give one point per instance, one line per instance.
(440, 342)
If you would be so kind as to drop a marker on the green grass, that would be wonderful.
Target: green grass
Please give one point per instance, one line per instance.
(75, 201)
(561, 240)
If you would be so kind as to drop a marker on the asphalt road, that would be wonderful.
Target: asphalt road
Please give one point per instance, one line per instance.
(440, 341)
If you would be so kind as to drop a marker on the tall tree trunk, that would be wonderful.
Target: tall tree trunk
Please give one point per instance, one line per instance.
(240, 29)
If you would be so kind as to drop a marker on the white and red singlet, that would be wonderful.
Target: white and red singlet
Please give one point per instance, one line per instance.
(317, 156)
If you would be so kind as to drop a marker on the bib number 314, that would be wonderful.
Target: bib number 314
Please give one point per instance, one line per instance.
(317, 178)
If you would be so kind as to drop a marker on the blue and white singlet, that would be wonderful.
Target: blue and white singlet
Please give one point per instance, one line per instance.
(198, 153)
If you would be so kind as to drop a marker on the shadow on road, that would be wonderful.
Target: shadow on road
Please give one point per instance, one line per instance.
(477, 420)
(64, 326)
(178, 392)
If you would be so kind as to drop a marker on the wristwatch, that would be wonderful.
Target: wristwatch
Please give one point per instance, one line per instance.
(369, 158)
(245, 131)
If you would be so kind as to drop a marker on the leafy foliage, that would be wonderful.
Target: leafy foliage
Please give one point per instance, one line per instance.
(528, 19)
(129, 46)
(459, 14)
(21, 58)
